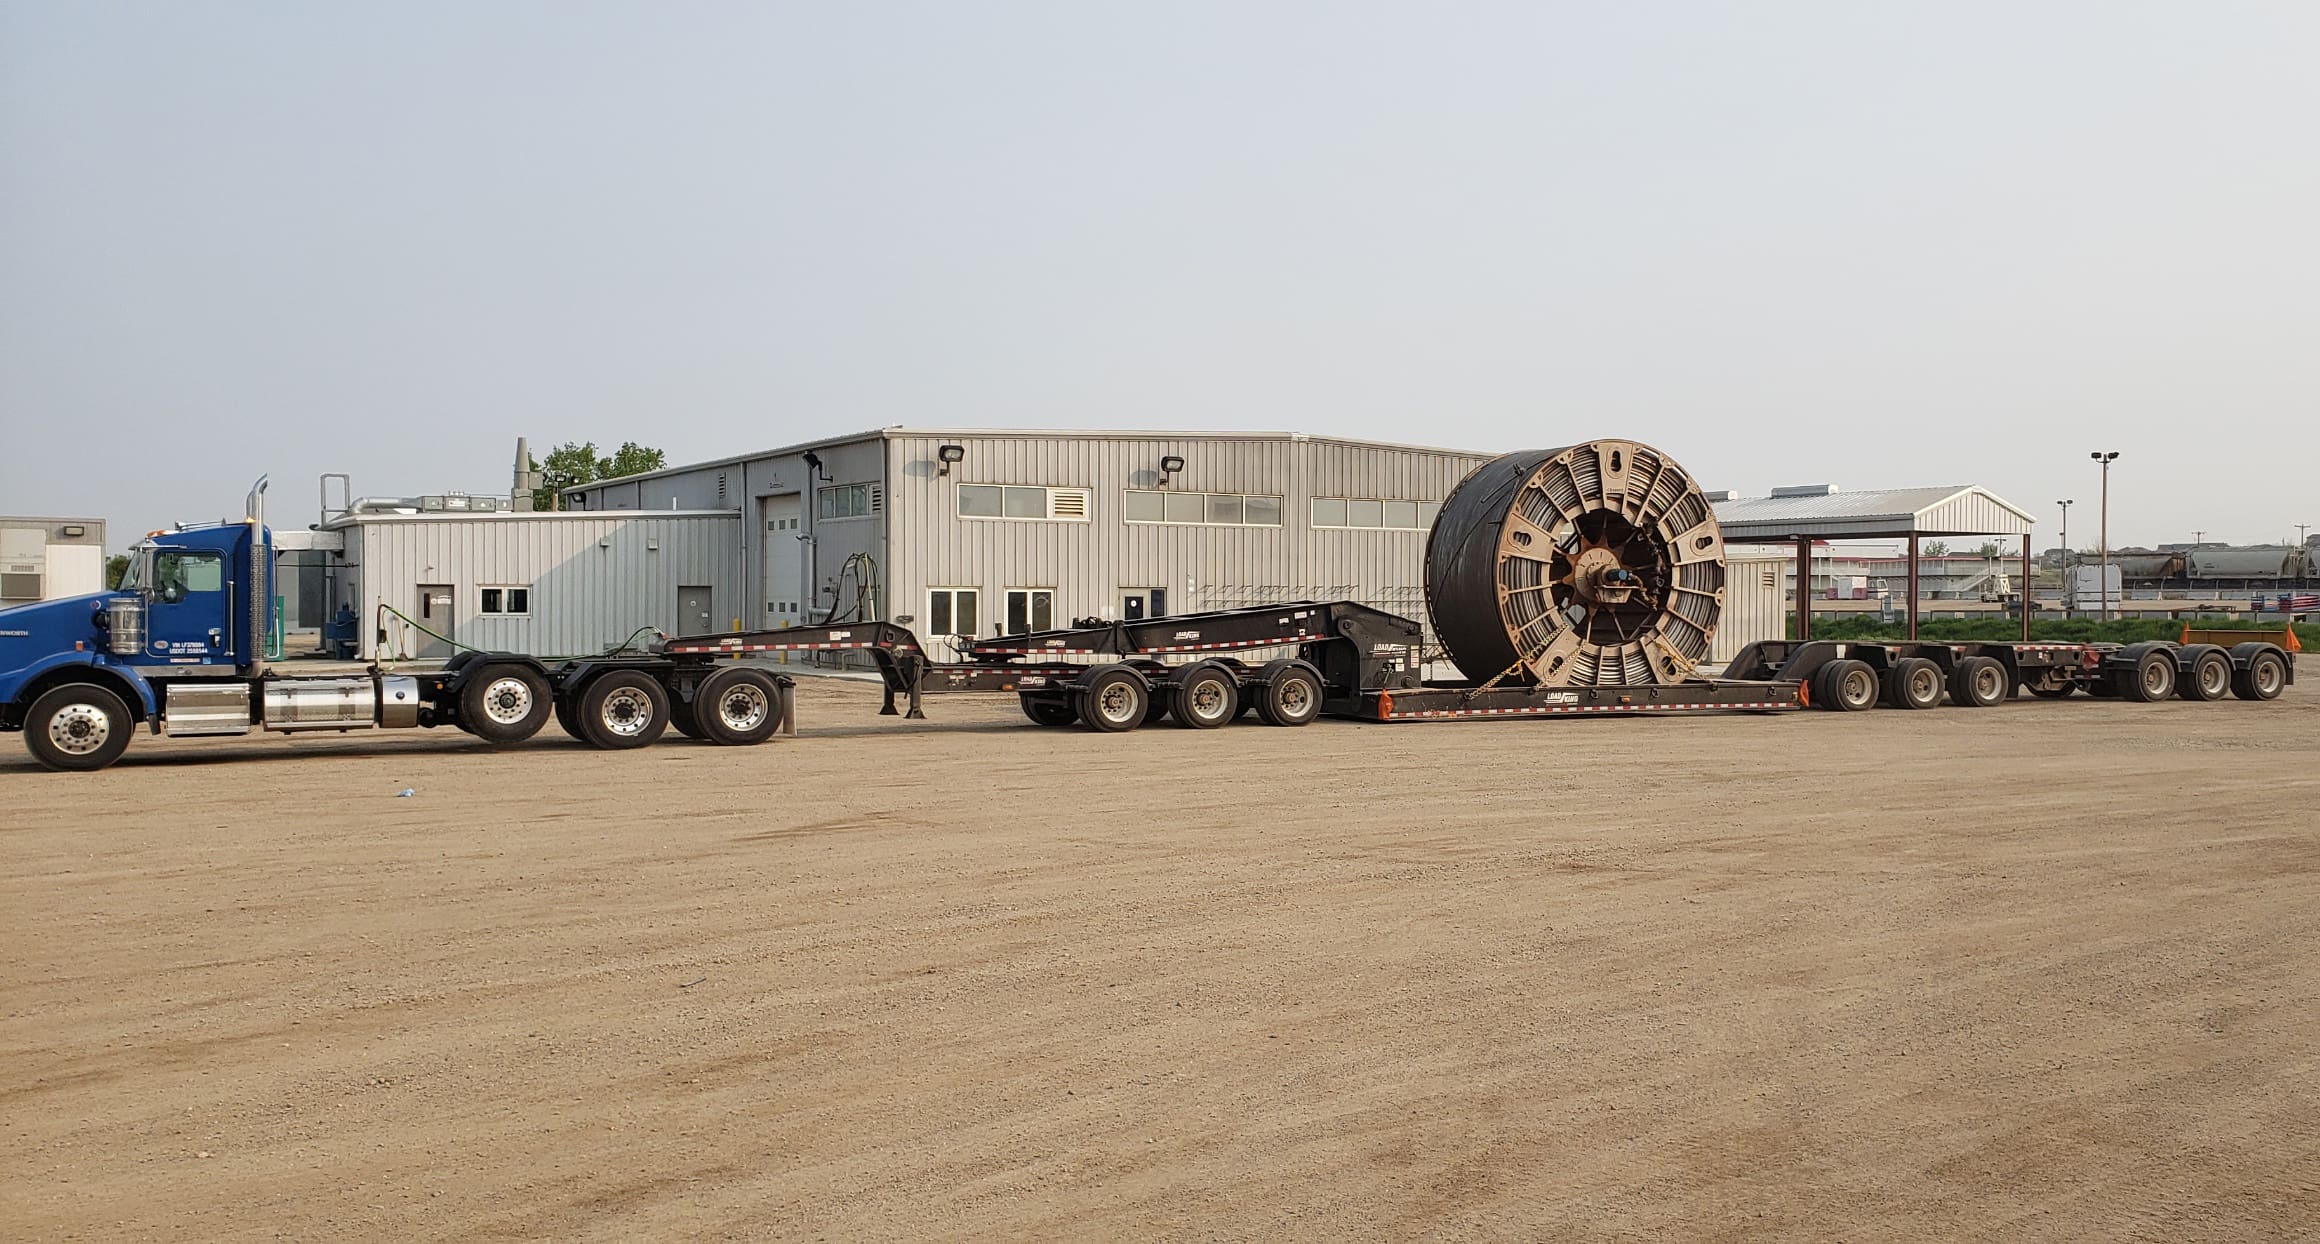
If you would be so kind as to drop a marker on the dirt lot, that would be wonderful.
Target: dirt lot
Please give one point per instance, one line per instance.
(2051, 970)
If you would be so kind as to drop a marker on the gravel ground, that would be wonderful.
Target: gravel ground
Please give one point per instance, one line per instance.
(2046, 971)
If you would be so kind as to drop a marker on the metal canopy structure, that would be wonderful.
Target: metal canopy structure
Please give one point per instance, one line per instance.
(1801, 516)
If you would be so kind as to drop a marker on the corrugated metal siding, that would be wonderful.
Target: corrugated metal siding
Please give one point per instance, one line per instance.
(585, 597)
(1755, 606)
(1089, 565)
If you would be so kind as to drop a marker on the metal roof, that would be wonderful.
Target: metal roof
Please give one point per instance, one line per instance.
(892, 431)
(1884, 513)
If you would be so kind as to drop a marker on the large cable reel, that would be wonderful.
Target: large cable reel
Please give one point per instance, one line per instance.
(1597, 564)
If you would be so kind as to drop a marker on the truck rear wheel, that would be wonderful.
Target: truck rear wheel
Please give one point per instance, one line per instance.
(2208, 678)
(685, 715)
(737, 707)
(1979, 682)
(623, 709)
(1288, 694)
(568, 718)
(2264, 678)
(1913, 682)
(2152, 677)
(1111, 701)
(504, 703)
(78, 726)
(1206, 697)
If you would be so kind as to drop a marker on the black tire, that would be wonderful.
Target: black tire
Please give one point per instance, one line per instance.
(2207, 676)
(1846, 686)
(1978, 682)
(2265, 677)
(737, 707)
(623, 709)
(1204, 697)
(1288, 694)
(503, 703)
(2103, 687)
(2150, 678)
(568, 718)
(78, 727)
(1111, 700)
(1049, 712)
(685, 715)
(1913, 682)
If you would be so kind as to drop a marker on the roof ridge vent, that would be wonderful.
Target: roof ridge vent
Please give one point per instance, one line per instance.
(1806, 490)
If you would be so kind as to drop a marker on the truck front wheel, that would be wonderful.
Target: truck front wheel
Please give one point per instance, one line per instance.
(78, 726)
(504, 703)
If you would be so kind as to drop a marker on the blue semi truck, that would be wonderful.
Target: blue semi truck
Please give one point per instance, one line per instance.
(179, 648)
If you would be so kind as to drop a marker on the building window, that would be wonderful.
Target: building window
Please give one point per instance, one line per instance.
(850, 501)
(1374, 513)
(1207, 509)
(781, 524)
(953, 611)
(1030, 609)
(507, 601)
(1021, 501)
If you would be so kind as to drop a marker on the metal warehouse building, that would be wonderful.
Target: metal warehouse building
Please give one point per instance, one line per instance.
(988, 532)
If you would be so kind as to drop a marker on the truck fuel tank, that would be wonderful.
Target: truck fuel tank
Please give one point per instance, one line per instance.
(322, 704)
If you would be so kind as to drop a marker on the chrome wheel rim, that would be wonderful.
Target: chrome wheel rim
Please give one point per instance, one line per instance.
(1989, 684)
(2214, 678)
(79, 729)
(1924, 684)
(2268, 676)
(507, 701)
(1859, 687)
(2155, 678)
(743, 706)
(1208, 698)
(626, 712)
(1116, 702)
(1296, 697)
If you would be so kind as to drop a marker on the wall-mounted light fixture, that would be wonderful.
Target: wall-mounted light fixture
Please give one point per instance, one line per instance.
(1169, 465)
(814, 466)
(950, 455)
(75, 530)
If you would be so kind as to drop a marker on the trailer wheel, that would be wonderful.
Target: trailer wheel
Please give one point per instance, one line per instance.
(735, 708)
(504, 703)
(1913, 682)
(2209, 677)
(623, 709)
(1288, 694)
(1846, 686)
(2151, 678)
(1978, 682)
(1112, 701)
(2264, 678)
(1049, 712)
(1206, 697)
(568, 718)
(78, 726)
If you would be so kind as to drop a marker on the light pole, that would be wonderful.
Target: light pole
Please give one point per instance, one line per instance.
(2066, 585)
(2103, 586)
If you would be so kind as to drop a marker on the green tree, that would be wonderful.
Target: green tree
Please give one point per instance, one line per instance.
(1935, 548)
(115, 566)
(1989, 548)
(574, 463)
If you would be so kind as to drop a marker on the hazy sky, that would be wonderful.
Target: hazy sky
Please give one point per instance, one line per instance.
(1877, 244)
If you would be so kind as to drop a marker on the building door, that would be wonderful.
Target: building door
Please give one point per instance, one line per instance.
(694, 614)
(435, 615)
(1139, 603)
(1030, 609)
(785, 561)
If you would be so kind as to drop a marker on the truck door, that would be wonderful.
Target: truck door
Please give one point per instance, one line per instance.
(187, 622)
